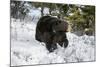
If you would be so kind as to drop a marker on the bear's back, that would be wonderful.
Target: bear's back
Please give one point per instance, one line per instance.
(45, 23)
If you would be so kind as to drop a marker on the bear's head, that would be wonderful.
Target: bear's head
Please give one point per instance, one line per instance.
(60, 26)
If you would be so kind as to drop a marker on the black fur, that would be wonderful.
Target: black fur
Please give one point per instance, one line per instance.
(51, 31)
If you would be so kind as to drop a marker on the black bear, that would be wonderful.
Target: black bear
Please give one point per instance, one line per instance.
(51, 31)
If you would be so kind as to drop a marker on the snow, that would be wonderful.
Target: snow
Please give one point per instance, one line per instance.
(25, 50)
(35, 12)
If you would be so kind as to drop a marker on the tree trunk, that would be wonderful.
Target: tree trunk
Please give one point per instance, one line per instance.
(50, 11)
(42, 11)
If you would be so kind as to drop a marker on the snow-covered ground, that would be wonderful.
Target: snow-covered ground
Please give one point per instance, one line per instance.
(25, 50)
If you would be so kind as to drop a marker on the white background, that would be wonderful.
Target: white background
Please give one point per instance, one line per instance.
(5, 34)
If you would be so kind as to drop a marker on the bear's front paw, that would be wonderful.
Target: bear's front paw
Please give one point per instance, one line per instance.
(65, 43)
